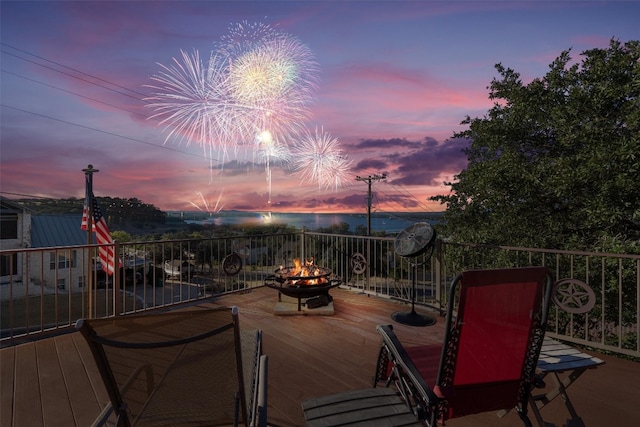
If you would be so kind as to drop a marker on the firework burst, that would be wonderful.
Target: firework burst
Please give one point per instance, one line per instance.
(257, 79)
(274, 83)
(257, 82)
(319, 159)
(244, 37)
(190, 102)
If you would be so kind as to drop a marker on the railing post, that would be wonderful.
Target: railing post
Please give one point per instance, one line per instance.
(117, 276)
(438, 268)
(369, 262)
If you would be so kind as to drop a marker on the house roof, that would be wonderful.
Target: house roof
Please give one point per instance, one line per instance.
(10, 206)
(57, 230)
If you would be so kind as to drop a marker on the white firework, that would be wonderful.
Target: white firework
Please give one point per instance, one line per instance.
(256, 80)
(243, 37)
(275, 82)
(191, 101)
(318, 158)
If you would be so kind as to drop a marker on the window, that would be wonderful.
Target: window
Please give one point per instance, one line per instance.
(62, 260)
(81, 280)
(8, 226)
(61, 284)
(8, 265)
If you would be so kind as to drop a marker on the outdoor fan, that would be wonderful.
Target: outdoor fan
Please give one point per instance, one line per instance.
(413, 242)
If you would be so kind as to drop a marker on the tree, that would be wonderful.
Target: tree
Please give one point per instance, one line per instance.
(555, 163)
(121, 236)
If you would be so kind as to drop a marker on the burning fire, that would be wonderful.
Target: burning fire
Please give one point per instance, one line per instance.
(307, 272)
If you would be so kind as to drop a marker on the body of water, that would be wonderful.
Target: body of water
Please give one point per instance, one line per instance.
(389, 222)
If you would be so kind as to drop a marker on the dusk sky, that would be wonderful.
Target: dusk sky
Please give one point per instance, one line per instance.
(394, 81)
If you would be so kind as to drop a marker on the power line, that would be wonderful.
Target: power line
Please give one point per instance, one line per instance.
(71, 69)
(210, 158)
(395, 198)
(406, 192)
(109, 133)
(369, 180)
(75, 94)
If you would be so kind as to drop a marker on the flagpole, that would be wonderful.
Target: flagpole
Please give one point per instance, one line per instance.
(88, 173)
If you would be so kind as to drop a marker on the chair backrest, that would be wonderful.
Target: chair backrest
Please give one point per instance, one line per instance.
(493, 338)
(170, 368)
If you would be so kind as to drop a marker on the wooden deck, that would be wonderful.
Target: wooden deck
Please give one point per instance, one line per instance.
(53, 382)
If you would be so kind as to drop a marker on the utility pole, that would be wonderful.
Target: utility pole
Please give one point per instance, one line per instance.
(369, 180)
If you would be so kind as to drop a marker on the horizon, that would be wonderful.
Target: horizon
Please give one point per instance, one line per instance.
(192, 210)
(390, 85)
(309, 213)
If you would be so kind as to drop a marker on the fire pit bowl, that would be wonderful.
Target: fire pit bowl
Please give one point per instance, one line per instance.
(301, 283)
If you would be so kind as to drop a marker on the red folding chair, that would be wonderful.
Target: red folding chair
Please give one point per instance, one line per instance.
(494, 331)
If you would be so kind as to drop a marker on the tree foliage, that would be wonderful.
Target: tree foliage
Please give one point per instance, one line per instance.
(117, 211)
(555, 163)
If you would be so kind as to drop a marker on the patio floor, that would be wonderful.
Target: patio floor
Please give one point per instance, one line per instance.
(53, 382)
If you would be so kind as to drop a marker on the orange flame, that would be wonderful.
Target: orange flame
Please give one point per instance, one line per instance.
(309, 269)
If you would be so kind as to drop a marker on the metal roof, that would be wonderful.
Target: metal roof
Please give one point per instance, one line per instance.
(57, 230)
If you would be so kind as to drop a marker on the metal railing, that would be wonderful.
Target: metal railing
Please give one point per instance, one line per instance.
(596, 300)
(46, 289)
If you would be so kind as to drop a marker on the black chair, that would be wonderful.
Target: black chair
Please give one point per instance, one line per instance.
(191, 367)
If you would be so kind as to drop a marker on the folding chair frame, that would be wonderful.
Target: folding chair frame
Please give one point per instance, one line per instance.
(250, 412)
(396, 367)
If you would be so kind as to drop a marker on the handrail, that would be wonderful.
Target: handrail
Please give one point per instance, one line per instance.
(46, 291)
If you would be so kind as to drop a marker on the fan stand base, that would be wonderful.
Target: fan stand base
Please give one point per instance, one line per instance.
(412, 318)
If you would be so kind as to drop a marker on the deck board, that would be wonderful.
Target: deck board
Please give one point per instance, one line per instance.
(84, 404)
(54, 399)
(27, 398)
(93, 375)
(7, 371)
(309, 356)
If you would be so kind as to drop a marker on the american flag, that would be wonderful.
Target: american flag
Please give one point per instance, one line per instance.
(99, 226)
(85, 215)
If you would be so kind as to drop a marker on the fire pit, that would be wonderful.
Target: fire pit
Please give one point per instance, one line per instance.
(304, 281)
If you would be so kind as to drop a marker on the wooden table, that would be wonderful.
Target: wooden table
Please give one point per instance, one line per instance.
(563, 365)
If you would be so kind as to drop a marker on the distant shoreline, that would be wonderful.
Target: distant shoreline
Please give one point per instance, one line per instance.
(178, 213)
(380, 221)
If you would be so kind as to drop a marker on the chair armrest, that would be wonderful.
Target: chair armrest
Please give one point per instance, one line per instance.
(413, 387)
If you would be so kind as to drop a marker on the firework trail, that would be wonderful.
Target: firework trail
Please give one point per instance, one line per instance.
(319, 158)
(270, 151)
(217, 207)
(272, 77)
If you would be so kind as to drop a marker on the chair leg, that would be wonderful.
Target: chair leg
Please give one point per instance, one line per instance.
(236, 415)
(522, 413)
(381, 368)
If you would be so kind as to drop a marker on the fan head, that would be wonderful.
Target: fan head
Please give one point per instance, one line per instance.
(415, 240)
